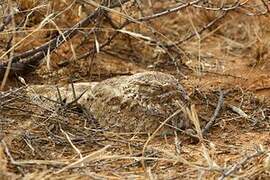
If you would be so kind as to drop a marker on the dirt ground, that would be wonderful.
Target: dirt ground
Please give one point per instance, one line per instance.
(231, 57)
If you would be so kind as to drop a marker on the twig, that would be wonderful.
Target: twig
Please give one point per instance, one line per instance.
(77, 98)
(106, 43)
(84, 159)
(28, 61)
(73, 90)
(7, 152)
(72, 145)
(266, 6)
(216, 113)
(6, 21)
(12, 161)
(59, 96)
(156, 131)
(240, 164)
(200, 31)
(241, 113)
(30, 162)
(169, 11)
(10, 44)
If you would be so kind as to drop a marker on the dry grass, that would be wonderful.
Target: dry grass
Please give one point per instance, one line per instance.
(59, 142)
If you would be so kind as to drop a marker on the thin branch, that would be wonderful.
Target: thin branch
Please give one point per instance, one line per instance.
(169, 11)
(240, 164)
(204, 28)
(216, 113)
